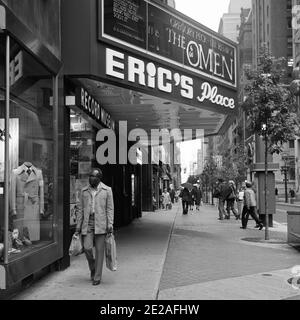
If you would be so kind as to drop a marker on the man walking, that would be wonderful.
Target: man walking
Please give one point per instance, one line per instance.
(95, 219)
(185, 194)
(231, 200)
(250, 207)
(198, 197)
(222, 192)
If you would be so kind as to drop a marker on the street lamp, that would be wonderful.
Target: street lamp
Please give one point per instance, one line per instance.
(284, 170)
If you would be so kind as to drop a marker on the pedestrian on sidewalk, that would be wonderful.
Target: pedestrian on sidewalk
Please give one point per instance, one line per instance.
(240, 200)
(221, 192)
(184, 195)
(166, 199)
(292, 194)
(191, 199)
(172, 195)
(198, 197)
(95, 219)
(250, 207)
(154, 202)
(230, 200)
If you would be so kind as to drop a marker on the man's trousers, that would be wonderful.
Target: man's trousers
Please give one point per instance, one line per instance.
(95, 263)
(245, 216)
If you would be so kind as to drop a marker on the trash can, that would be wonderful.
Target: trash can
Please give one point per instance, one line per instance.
(293, 225)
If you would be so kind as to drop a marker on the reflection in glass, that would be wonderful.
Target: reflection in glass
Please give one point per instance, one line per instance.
(31, 154)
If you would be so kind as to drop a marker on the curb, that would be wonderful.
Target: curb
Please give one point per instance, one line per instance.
(288, 204)
(156, 288)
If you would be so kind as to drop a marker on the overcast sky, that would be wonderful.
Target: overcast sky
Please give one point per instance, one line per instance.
(207, 12)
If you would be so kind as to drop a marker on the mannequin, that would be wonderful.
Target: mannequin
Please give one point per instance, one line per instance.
(27, 199)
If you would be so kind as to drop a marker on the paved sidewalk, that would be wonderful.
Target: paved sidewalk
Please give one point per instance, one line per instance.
(208, 259)
(165, 255)
(141, 251)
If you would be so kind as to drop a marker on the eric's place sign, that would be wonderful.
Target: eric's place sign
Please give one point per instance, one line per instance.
(153, 77)
(149, 28)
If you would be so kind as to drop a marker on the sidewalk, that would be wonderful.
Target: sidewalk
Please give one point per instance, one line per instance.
(166, 255)
(210, 259)
(141, 251)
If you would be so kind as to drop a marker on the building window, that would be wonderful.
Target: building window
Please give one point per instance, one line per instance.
(291, 144)
(31, 157)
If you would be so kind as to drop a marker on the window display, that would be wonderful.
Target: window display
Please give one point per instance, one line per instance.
(27, 200)
(31, 133)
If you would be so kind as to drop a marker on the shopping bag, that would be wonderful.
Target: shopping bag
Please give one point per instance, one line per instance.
(75, 246)
(110, 252)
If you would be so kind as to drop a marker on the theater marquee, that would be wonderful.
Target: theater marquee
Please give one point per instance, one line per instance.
(167, 35)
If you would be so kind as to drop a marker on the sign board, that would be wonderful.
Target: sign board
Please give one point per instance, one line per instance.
(149, 28)
(145, 74)
(93, 108)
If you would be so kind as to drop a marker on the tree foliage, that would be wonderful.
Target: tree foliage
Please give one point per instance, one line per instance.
(270, 105)
(210, 172)
(234, 165)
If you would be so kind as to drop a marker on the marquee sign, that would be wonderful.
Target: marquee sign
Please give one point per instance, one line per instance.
(149, 28)
(157, 79)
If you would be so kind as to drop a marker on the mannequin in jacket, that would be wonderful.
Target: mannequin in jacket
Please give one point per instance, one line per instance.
(27, 199)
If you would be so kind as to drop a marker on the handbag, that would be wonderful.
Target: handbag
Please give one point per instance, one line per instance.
(76, 246)
(110, 252)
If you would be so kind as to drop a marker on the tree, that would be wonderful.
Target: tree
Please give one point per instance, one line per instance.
(234, 164)
(210, 174)
(269, 108)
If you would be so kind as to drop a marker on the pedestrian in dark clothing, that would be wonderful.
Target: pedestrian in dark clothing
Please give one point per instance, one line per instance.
(172, 195)
(191, 200)
(185, 194)
(292, 194)
(231, 200)
(250, 207)
(198, 197)
(222, 192)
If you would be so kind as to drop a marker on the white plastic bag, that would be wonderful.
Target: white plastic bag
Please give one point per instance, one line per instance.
(110, 252)
(75, 246)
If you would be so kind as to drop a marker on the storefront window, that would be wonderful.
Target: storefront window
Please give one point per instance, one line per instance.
(31, 214)
(82, 156)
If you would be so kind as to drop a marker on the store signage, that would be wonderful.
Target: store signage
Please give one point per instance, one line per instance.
(151, 29)
(151, 75)
(16, 68)
(93, 108)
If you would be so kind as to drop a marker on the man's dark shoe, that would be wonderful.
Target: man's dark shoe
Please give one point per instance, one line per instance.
(92, 275)
(257, 226)
(243, 228)
(261, 226)
(96, 282)
(220, 219)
